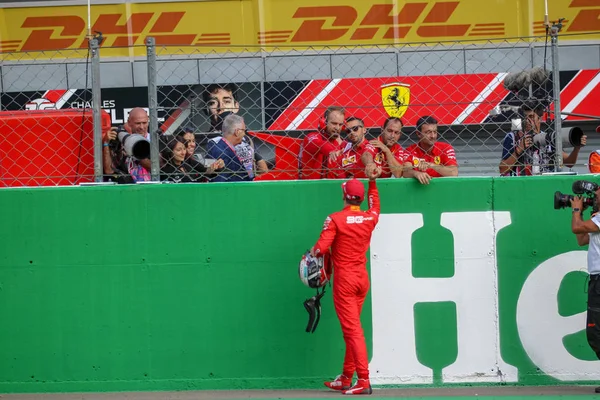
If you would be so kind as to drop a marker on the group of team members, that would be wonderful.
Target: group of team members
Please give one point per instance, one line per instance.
(339, 150)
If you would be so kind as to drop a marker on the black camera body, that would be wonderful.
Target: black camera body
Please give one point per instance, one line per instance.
(586, 188)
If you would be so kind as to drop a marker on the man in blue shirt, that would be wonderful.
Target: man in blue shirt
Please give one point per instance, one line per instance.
(239, 162)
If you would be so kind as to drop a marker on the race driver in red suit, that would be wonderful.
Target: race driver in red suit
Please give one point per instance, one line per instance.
(348, 234)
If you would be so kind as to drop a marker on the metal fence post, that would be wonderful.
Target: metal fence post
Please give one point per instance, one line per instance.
(556, 94)
(96, 109)
(153, 107)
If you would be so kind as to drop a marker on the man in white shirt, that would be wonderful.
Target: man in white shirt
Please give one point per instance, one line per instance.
(588, 233)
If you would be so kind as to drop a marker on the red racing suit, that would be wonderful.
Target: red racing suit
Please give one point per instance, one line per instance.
(348, 233)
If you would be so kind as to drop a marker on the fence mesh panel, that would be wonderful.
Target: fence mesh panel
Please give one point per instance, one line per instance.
(282, 94)
(41, 143)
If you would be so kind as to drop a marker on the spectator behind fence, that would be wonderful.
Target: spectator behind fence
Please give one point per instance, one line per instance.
(356, 159)
(190, 138)
(114, 159)
(317, 146)
(390, 154)
(116, 162)
(198, 171)
(238, 167)
(221, 101)
(137, 123)
(522, 156)
(247, 145)
(174, 168)
(429, 157)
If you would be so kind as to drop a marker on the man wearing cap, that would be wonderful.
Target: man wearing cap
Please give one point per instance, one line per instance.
(348, 234)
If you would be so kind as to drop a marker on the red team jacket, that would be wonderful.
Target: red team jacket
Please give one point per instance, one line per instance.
(399, 154)
(348, 164)
(314, 154)
(348, 233)
(441, 154)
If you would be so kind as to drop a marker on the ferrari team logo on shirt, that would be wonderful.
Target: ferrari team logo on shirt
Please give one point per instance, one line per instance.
(349, 160)
(395, 98)
(416, 161)
(378, 158)
(436, 160)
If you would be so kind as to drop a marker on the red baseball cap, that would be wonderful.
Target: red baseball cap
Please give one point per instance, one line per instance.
(353, 189)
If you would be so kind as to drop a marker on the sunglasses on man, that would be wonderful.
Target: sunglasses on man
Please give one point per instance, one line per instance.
(354, 128)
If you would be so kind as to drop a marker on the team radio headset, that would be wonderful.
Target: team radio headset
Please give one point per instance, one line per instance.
(321, 128)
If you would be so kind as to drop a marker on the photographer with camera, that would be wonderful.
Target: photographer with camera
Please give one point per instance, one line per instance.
(587, 233)
(527, 150)
(128, 163)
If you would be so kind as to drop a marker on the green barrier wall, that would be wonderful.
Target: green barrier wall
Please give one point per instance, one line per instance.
(172, 287)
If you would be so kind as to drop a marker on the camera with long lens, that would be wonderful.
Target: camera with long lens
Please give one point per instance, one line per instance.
(136, 146)
(586, 188)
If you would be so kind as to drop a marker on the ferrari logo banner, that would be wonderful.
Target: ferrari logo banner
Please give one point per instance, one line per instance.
(395, 98)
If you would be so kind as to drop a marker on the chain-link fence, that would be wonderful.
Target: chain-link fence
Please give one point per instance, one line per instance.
(282, 95)
(46, 122)
(473, 90)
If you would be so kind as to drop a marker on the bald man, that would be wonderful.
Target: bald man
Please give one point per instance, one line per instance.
(137, 123)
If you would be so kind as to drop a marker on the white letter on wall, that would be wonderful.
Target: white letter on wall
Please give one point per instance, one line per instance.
(542, 329)
(473, 288)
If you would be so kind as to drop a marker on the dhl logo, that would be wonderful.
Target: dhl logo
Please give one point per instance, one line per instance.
(322, 24)
(427, 20)
(63, 32)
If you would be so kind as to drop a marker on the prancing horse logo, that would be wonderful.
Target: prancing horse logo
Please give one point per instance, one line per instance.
(395, 98)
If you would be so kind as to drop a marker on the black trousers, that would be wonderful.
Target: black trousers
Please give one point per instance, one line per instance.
(593, 314)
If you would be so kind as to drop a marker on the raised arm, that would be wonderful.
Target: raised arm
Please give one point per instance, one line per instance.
(373, 197)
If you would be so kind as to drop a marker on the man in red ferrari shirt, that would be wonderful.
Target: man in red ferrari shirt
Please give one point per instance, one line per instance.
(316, 146)
(357, 156)
(429, 157)
(391, 155)
(348, 234)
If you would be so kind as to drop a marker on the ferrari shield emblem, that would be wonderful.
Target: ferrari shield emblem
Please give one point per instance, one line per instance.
(395, 98)
(348, 160)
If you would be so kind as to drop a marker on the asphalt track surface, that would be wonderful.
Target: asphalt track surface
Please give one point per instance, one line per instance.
(462, 393)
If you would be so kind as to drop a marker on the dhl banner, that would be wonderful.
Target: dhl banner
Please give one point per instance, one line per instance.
(221, 25)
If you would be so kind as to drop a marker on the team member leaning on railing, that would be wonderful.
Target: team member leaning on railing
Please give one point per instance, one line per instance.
(429, 157)
(390, 154)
